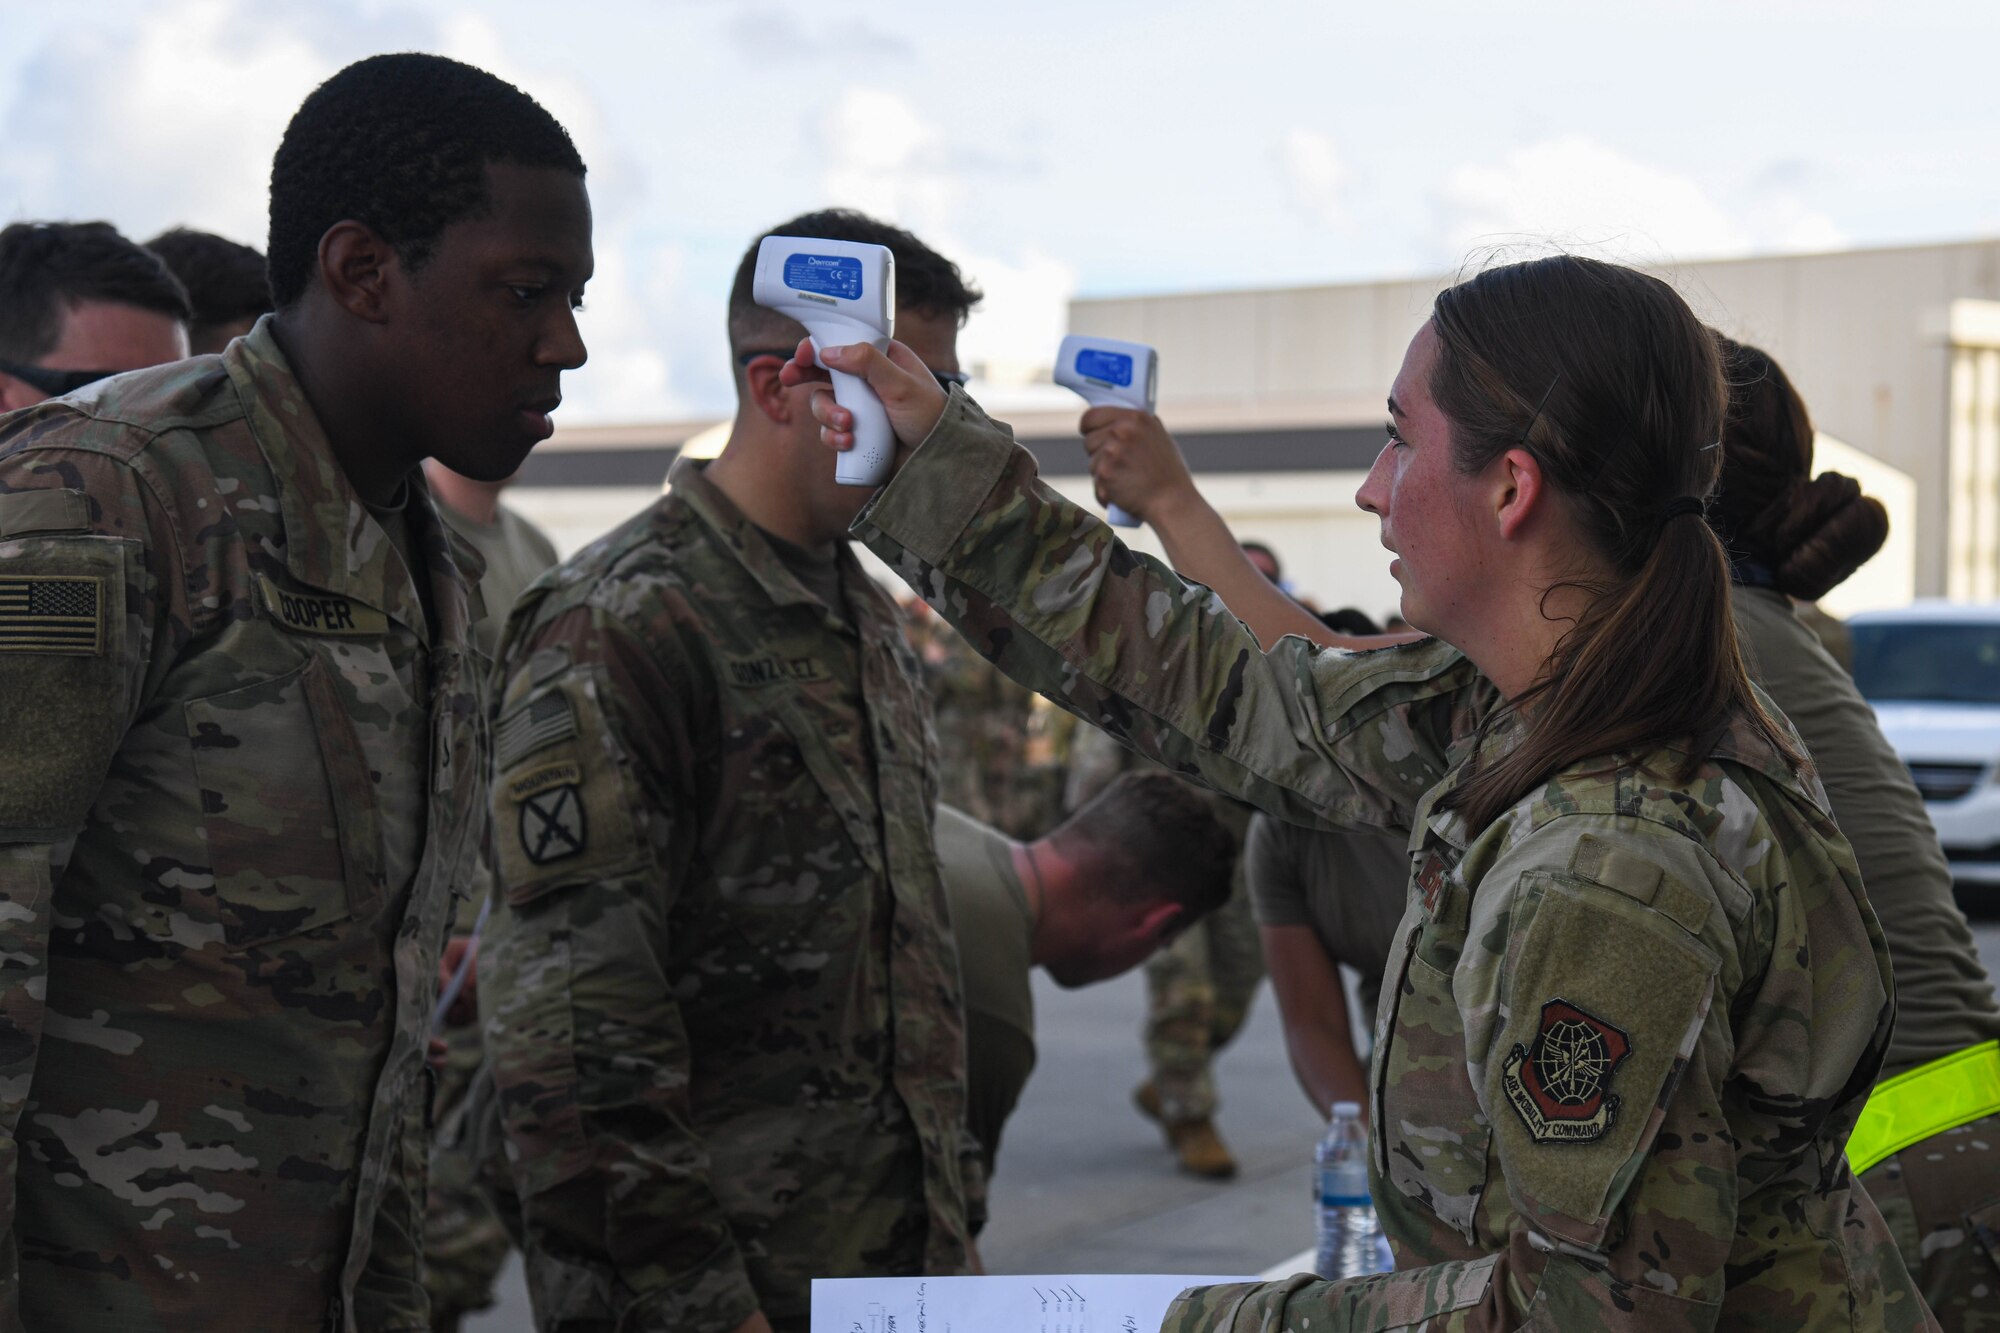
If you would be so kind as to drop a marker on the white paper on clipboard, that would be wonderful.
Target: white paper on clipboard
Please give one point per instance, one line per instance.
(1055, 1303)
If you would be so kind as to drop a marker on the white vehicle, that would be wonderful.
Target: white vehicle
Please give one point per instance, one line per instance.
(1932, 672)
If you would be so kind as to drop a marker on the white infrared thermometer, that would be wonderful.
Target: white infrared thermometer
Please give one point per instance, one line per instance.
(1110, 373)
(844, 292)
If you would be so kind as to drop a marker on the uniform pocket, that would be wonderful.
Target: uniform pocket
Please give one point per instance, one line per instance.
(287, 806)
(1435, 1138)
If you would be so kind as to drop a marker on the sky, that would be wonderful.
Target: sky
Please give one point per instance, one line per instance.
(1064, 149)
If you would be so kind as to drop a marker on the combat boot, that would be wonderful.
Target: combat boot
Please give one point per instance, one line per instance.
(1199, 1149)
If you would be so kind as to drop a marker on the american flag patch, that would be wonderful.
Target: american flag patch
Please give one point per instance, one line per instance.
(51, 613)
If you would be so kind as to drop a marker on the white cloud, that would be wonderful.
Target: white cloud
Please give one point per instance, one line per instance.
(1578, 192)
(882, 156)
(174, 120)
(1315, 174)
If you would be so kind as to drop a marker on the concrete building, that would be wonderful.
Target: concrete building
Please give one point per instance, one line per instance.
(1277, 398)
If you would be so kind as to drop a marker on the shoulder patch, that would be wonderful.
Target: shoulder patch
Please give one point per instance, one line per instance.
(1559, 1084)
(542, 721)
(47, 510)
(52, 613)
(321, 612)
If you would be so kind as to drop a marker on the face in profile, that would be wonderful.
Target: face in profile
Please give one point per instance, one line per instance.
(1423, 500)
(492, 322)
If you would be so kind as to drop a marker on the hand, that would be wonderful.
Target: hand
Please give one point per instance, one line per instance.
(1134, 462)
(756, 1323)
(909, 392)
(973, 1263)
(465, 1005)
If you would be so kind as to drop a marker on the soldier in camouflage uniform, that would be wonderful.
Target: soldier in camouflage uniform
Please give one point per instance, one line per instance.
(1198, 988)
(719, 989)
(465, 1240)
(1006, 766)
(1636, 1010)
(243, 740)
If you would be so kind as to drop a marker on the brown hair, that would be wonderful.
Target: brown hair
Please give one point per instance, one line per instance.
(1149, 837)
(1809, 532)
(1604, 375)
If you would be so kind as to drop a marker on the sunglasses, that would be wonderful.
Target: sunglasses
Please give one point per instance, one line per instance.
(54, 383)
(945, 378)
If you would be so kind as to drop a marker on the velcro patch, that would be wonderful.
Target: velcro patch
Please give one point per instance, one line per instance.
(750, 672)
(321, 612)
(48, 510)
(522, 786)
(552, 823)
(52, 613)
(543, 720)
(1560, 1084)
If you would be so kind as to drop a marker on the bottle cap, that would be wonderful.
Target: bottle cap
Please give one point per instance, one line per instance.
(1346, 1108)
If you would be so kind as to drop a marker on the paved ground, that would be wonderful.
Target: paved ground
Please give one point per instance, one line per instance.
(1085, 1186)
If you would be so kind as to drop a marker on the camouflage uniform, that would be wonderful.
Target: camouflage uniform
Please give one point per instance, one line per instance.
(1941, 1195)
(719, 989)
(465, 1241)
(1633, 1019)
(1005, 770)
(1200, 987)
(241, 771)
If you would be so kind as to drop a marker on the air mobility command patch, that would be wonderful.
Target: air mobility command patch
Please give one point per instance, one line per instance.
(52, 613)
(551, 822)
(1559, 1084)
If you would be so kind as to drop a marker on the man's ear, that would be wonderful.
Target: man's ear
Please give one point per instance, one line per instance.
(1160, 921)
(1520, 491)
(357, 268)
(17, 393)
(773, 399)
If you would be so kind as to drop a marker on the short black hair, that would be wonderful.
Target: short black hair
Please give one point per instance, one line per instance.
(926, 282)
(48, 267)
(1151, 837)
(1259, 548)
(401, 144)
(226, 282)
(1349, 620)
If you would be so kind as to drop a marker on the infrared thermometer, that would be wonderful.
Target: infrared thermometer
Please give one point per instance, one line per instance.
(843, 292)
(1110, 373)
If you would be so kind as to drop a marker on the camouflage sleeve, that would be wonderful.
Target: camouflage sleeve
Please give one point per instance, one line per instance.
(90, 595)
(1316, 736)
(595, 829)
(1593, 1044)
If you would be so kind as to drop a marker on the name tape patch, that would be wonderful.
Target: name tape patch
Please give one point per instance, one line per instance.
(321, 612)
(52, 613)
(750, 672)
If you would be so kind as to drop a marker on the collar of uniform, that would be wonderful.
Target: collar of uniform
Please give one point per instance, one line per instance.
(453, 563)
(315, 497)
(1466, 755)
(741, 537)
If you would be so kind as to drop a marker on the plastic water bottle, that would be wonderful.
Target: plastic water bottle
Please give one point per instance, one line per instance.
(1351, 1242)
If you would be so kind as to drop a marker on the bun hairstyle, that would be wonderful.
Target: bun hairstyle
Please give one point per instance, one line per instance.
(1806, 533)
(1608, 380)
